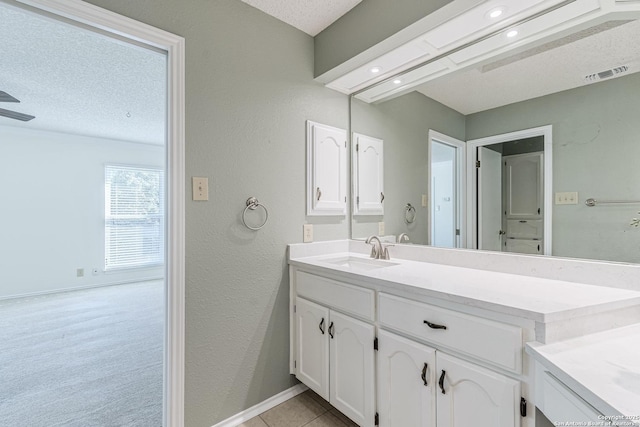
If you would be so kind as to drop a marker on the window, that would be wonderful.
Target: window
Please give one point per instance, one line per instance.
(134, 217)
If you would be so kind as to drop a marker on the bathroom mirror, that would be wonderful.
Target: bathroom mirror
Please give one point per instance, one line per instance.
(590, 100)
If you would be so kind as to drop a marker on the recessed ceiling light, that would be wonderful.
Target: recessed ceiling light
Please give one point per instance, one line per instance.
(512, 33)
(375, 70)
(397, 81)
(495, 12)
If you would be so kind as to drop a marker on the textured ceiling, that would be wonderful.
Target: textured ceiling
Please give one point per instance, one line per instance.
(547, 69)
(80, 82)
(310, 16)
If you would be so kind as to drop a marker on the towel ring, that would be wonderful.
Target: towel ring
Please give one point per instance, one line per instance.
(409, 213)
(253, 203)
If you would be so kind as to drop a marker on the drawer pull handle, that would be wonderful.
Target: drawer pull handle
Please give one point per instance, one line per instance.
(441, 381)
(424, 374)
(434, 325)
(321, 326)
(331, 330)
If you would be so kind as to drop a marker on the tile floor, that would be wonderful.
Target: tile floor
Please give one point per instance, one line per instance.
(306, 409)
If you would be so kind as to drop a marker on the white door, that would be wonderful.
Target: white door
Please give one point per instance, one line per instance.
(444, 195)
(489, 200)
(352, 368)
(368, 165)
(406, 382)
(524, 186)
(312, 346)
(326, 170)
(469, 395)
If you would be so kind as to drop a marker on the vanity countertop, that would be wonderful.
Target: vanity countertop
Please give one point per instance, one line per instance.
(538, 299)
(603, 368)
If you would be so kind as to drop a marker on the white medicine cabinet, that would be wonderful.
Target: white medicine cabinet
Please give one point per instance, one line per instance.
(368, 173)
(326, 170)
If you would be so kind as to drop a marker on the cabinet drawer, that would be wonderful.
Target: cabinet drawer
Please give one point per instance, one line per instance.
(524, 246)
(497, 343)
(559, 403)
(524, 229)
(333, 294)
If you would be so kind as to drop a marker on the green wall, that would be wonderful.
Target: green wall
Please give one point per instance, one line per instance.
(596, 148)
(249, 90)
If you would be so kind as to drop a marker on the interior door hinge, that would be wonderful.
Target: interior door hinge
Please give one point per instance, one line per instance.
(375, 343)
(523, 407)
(295, 363)
(477, 163)
(457, 231)
(377, 419)
(357, 147)
(358, 200)
(294, 308)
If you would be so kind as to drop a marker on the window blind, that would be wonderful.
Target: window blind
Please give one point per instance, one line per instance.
(134, 217)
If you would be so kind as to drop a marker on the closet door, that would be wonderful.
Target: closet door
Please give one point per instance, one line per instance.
(523, 176)
(326, 170)
(368, 167)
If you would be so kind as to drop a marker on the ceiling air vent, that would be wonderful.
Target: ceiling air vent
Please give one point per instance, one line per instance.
(614, 72)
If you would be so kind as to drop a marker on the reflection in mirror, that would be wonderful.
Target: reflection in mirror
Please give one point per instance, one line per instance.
(596, 140)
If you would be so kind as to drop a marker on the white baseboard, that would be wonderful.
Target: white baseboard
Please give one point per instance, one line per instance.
(256, 410)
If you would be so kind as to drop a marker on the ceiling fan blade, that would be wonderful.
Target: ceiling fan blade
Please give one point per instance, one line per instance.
(5, 97)
(15, 115)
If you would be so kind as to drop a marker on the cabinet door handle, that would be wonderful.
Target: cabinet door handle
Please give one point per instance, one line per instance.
(321, 326)
(331, 330)
(424, 373)
(318, 193)
(441, 381)
(381, 197)
(434, 325)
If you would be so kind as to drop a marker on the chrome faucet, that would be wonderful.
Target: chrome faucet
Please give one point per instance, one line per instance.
(404, 237)
(377, 250)
(376, 246)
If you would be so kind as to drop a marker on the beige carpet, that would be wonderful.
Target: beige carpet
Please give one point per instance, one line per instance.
(84, 358)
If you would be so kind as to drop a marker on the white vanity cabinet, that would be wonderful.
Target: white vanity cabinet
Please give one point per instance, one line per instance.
(434, 366)
(334, 352)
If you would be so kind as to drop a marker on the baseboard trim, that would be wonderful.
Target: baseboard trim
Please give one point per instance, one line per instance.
(256, 410)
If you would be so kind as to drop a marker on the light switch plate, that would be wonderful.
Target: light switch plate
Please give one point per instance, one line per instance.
(567, 198)
(307, 233)
(200, 187)
(424, 200)
(381, 229)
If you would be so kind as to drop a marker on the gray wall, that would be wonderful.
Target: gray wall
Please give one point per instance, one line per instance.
(403, 124)
(375, 20)
(596, 151)
(249, 91)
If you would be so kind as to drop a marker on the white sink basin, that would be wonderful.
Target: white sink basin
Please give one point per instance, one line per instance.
(357, 263)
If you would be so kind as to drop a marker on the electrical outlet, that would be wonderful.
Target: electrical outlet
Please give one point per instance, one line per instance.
(200, 188)
(80, 272)
(307, 233)
(568, 198)
(381, 229)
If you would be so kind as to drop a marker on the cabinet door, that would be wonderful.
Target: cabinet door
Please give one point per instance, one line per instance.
(406, 382)
(312, 348)
(326, 170)
(352, 368)
(368, 166)
(474, 396)
(523, 186)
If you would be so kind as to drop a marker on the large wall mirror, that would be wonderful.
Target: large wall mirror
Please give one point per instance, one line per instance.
(580, 90)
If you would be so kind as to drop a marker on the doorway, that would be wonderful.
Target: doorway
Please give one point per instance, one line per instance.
(127, 31)
(510, 192)
(446, 200)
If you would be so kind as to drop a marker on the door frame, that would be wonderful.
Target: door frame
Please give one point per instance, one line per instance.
(472, 197)
(460, 184)
(134, 32)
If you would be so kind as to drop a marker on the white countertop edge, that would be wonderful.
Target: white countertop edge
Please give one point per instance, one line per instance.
(316, 263)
